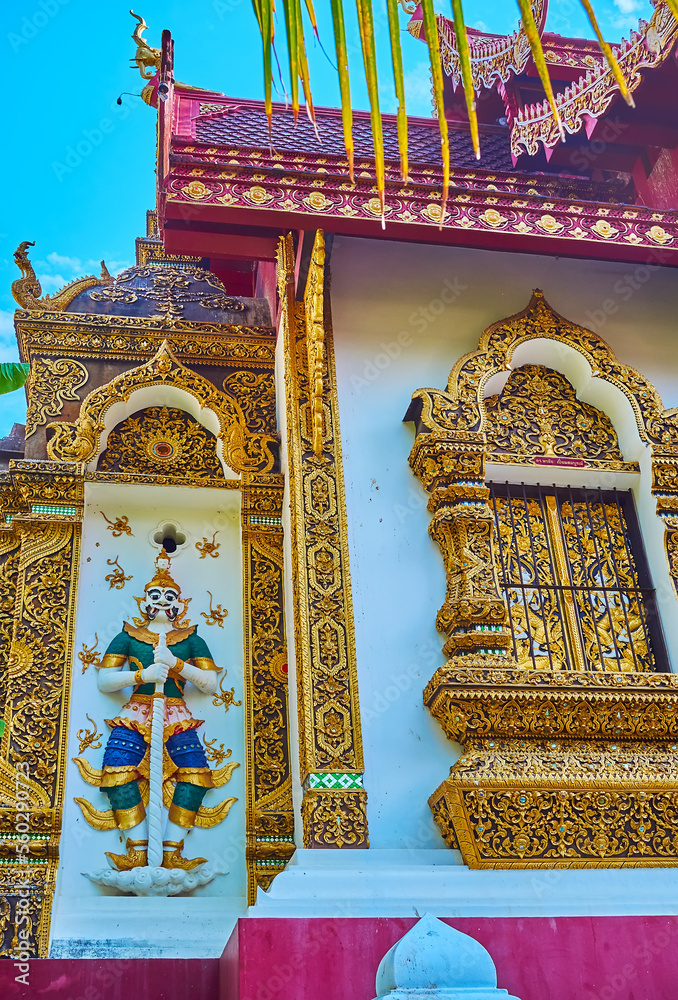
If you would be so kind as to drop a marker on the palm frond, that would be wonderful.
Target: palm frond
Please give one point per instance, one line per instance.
(12, 376)
(466, 72)
(339, 26)
(264, 13)
(537, 50)
(366, 24)
(431, 31)
(609, 54)
(291, 30)
(399, 81)
(298, 67)
(303, 63)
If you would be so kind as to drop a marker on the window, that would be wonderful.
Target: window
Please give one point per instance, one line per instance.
(574, 573)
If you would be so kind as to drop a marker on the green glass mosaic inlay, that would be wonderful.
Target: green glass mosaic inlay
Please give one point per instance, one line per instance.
(45, 508)
(341, 780)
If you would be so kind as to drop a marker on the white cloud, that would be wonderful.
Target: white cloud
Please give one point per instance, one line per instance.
(52, 282)
(12, 404)
(8, 348)
(69, 263)
(418, 90)
(114, 266)
(57, 270)
(628, 6)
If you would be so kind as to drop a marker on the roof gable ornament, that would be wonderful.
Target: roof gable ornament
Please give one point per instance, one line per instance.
(146, 58)
(27, 290)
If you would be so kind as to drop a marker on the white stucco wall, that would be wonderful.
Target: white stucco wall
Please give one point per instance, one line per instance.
(394, 332)
(89, 919)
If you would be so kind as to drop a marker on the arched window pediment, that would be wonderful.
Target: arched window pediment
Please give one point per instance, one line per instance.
(550, 684)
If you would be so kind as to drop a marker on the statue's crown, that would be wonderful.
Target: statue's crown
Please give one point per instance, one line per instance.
(163, 577)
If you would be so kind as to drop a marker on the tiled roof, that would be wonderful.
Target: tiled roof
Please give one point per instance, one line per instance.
(248, 126)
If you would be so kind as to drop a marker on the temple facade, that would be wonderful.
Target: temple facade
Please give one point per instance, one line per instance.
(339, 558)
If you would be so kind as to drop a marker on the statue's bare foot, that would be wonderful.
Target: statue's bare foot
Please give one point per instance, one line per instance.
(171, 856)
(136, 857)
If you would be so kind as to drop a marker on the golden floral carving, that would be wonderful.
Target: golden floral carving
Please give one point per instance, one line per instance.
(41, 587)
(88, 655)
(255, 394)
(242, 451)
(216, 616)
(87, 737)
(207, 548)
(538, 414)
(513, 799)
(170, 289)
(335, 818)
(270, 792)
(214, 753)
(131, 338)
(591, 96)
(315, 337)
(120, 526)
(162, 440)
(225, 697)
(258, 195)
(117, 577)
(544, 753)
(50, 384)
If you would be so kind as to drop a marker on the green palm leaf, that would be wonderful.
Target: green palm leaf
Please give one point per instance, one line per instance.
(12, 376)
(366, 22)
(344, 86)
(609, 54)
(431, 30)
(399, 81)
(466, 73)
(533, 38)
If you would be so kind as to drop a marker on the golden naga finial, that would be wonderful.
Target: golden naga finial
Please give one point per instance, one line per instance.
(146, 59)
(27, 289)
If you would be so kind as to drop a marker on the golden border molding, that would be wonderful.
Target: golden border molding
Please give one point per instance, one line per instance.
(330, 749)
(560, 769)
(270, 816)
(44, 501)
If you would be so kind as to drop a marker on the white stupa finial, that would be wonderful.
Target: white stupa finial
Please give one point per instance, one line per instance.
(436, 962)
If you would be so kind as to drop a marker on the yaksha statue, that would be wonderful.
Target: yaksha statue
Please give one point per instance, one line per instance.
(161, 648)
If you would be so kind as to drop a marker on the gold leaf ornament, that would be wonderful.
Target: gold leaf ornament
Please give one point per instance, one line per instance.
(88, 736)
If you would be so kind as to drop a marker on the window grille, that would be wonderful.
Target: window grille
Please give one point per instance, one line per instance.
(574, 573)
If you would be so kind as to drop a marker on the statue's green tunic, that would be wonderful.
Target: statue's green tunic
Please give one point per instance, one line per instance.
(125, 757)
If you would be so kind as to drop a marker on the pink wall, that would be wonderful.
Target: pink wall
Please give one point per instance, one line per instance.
(562, 958)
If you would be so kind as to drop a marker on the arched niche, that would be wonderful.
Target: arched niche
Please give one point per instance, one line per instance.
(162, 381)
(170, 396)
(452, 446)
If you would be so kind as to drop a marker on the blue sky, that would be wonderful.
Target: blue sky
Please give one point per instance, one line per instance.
(78, 170)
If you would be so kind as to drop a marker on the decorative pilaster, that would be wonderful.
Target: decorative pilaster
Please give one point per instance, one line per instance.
(334, 804)
(270, 817)
(665, 490)
(474, 614)
(45, 522)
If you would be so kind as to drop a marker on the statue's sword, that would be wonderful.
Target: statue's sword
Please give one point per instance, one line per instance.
(155, 770)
